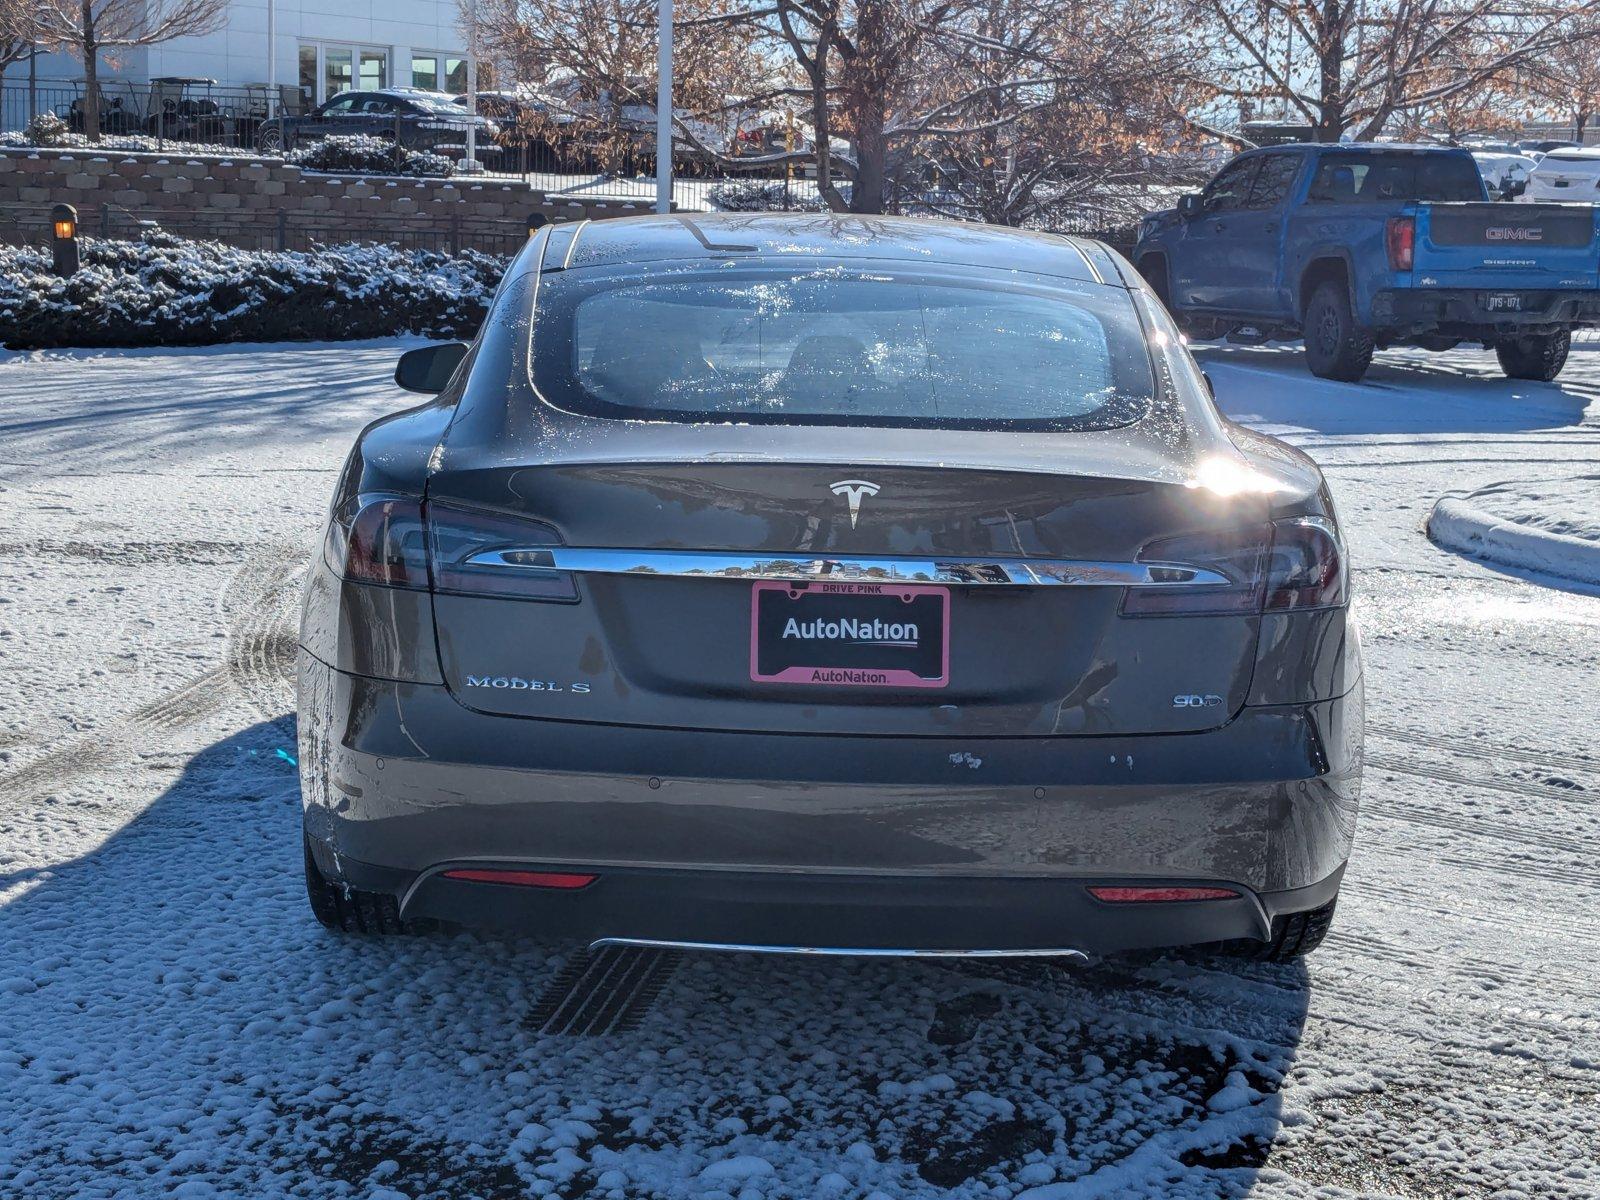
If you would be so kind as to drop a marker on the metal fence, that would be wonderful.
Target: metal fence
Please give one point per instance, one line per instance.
(151, 115)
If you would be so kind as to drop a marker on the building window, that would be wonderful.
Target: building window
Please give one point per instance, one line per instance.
(455, 76)
(425, 71)
(374, 70)
(327, 69)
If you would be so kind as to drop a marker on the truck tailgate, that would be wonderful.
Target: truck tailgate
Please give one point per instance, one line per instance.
(1510, 246)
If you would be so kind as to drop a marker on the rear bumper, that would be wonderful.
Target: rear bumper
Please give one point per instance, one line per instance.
(1462, 312)
(881, 843)
(838, 913)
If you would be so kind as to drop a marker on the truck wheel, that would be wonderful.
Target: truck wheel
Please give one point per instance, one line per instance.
(1538, 356)
(1336, 347)
(1154, 269)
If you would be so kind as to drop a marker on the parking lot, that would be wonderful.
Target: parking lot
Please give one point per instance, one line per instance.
(172, 1020)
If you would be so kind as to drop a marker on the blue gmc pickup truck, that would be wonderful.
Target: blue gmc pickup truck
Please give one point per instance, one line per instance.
(1356, 247)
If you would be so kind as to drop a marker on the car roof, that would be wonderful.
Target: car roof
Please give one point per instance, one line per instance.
(840, 235)
(1360, 147)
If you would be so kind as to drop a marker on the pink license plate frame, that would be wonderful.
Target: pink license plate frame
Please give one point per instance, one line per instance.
(835, 676)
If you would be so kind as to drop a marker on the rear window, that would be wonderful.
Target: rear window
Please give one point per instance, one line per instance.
(839, 345)
(1380, 178)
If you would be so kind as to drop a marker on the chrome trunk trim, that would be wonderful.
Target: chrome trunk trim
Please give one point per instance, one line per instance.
(1000, 572)
(833, 951)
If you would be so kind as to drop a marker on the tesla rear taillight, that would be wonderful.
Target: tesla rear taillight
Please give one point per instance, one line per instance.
(1238, 554)
(1292, 564)
(476, 553)
(378, 540)
(1400, 238)
(1306, 569)
(559, 880)
(1160, 895)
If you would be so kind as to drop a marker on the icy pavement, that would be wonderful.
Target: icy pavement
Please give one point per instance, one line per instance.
(172, 1022)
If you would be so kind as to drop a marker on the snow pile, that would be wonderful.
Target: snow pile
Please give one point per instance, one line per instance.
(361, 154)
(167, 291)
(1549, 526)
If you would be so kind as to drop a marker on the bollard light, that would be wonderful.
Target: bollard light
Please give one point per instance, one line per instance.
(65, 220)
(536, 222)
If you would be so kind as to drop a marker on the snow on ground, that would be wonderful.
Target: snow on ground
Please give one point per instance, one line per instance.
(172, 1022)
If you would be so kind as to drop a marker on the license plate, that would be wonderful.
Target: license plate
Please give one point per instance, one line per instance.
(1503, 302)
(850, 634)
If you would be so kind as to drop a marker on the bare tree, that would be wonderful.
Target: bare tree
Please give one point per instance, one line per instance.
(1353, 65)
(593, 66)
(1491, 106)
(88, 28)
(1079, 144)
(1568, 76)
(16, 43)
(907, 84)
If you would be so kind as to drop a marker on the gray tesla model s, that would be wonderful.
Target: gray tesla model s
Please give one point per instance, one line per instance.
(826, 583)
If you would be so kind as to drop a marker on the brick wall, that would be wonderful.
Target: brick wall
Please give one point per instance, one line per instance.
(257, 202)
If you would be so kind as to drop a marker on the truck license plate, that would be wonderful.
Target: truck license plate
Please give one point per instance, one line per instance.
(1503, 301)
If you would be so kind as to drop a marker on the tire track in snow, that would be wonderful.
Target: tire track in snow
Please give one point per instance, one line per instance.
(253, 606)
(1542, 758)
(1440, 775)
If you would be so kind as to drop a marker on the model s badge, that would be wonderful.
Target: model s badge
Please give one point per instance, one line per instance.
(853, 490)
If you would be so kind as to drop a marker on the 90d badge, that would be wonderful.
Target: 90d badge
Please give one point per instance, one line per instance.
(1191, 701)
(517, 684)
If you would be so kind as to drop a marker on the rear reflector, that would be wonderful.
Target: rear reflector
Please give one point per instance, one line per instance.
(1159, 895)
(534, 879)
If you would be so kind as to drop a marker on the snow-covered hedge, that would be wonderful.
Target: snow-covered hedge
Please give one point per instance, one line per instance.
(166, 291)
(763, 195)
(49, 131)
(362, 154)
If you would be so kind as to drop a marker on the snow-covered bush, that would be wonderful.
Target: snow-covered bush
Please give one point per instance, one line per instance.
(362, 154)
(166, 291)
(763, 195)
(24, 139)
(46, 129)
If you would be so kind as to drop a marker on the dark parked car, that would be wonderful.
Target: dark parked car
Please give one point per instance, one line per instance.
(839, 584)
(421, 120)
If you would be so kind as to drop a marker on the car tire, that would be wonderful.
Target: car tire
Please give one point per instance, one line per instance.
(269, 140)
(350, 910)
(1538, 356)
(1154, 269)
(1294, 935)
(1336, 347)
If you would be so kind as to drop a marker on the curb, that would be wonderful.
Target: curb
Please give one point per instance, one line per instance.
(1458, 526)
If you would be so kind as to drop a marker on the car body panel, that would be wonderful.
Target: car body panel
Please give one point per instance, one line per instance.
(1073, 743)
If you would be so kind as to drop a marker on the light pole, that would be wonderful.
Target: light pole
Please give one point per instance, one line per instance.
(664, 106)
(272, 59)
(470, 164)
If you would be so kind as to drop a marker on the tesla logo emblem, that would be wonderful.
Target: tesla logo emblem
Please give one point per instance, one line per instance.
(853, 490)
